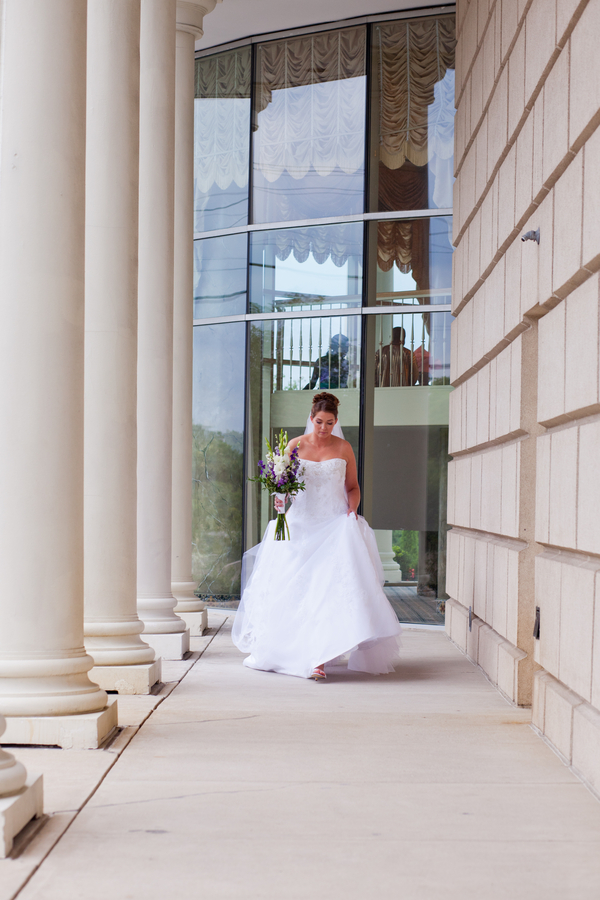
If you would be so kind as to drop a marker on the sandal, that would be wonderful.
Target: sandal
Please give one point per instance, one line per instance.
(319, 674)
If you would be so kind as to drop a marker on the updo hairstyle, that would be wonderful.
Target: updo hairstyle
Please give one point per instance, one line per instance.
(324, 402)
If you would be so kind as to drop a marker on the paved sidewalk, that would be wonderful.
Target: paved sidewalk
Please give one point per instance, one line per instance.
(423, 785)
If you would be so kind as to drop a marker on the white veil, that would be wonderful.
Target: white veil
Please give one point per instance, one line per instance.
(337, 428)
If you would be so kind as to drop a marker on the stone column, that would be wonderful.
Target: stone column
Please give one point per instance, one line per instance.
(189, 27)
(45, 691)
(123, 662)
(21, 797)
(164, 631)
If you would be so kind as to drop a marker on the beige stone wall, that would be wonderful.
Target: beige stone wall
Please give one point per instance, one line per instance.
(524, 482)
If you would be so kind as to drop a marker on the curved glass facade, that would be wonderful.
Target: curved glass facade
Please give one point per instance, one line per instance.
(323, 188)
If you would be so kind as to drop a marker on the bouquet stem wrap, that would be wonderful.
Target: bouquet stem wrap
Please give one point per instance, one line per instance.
(281, 525)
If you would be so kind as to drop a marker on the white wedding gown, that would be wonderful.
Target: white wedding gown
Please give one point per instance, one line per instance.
(318, 596)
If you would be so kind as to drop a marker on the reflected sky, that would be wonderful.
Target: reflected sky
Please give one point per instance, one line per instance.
(311, 277)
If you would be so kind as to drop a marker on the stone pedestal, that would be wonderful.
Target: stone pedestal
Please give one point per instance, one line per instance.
(43, 664)
(170, 646)
(21, 798)
(82, 732)
(18, 809)
(155, 327)
(391, 569)
(138, 679)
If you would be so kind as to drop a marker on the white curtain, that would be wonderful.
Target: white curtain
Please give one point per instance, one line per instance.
(335, 242)
(311, 104)
(222, 120)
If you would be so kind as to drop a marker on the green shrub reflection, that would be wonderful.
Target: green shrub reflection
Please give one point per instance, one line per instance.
(217, 481)
(406, 552)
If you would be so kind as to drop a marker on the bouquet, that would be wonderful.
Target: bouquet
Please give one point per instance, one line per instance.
(279, 474)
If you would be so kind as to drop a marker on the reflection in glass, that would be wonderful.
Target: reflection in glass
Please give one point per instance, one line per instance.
(309, 130)
(414, 261)
(306, 268)
(288, 359)
(218, 468)
(222, 140)
(406, 408)
(412, 88)
(220, 265)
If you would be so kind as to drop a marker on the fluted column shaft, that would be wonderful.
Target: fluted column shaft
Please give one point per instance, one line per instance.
(112, 625)
(183, 585)
(43, 664)
(155, 317)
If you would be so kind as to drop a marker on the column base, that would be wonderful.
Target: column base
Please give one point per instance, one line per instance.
(135, 679)
(18, 810)
(168, 646)
(86, 731)
(197, 622)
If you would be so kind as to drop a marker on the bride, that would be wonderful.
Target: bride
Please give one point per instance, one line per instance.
(319, 596)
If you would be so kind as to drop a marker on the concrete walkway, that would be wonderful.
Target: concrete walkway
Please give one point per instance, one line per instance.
(242, 784)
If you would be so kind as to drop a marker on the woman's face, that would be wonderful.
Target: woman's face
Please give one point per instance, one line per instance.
(323, 423)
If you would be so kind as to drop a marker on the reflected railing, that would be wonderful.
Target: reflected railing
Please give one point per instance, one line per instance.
(412, 350)
(434, 296)
(316, 354)
(285, 301)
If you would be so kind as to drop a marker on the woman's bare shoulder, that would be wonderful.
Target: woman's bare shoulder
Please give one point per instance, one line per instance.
(345, 448)
(294, 442)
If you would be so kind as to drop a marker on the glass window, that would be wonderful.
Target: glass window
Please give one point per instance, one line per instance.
(220, 274)
(406, 445)
(412, 98)
(306, 268)
(218, 468)
(289, 358)
(309, 129)
(222, 140)
(414, 261)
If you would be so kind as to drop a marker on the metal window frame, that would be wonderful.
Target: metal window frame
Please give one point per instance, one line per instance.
(327, 220)
(326, 313)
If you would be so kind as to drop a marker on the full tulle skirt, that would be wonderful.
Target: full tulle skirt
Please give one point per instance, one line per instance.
(315, 598)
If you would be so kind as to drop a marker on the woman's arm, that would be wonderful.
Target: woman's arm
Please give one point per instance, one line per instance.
(352, 488)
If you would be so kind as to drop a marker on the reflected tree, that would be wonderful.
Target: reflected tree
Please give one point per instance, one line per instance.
(217, 483)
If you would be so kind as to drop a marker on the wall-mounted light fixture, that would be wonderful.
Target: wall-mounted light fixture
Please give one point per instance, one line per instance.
(531, 236)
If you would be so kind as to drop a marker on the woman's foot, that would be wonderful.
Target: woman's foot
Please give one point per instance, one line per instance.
(319, 674)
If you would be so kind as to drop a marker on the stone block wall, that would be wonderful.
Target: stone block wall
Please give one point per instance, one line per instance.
(524, 481)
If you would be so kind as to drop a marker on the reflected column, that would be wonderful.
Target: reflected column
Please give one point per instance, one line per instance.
(45, 691)
(189, 27)
(123, 662)
(164, 630)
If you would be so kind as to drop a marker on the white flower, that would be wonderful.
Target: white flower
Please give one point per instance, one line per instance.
(279, 466)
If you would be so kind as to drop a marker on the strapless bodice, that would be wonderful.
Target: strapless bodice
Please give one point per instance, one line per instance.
(325, 494)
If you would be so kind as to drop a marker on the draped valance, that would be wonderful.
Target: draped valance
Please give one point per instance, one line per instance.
(335, 242)
(222, 120)
(415, 62)
(310, 104)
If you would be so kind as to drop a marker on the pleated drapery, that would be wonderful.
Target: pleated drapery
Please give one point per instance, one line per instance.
(416, 98)
(311, 104)
(335, 242)
(222, 120)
